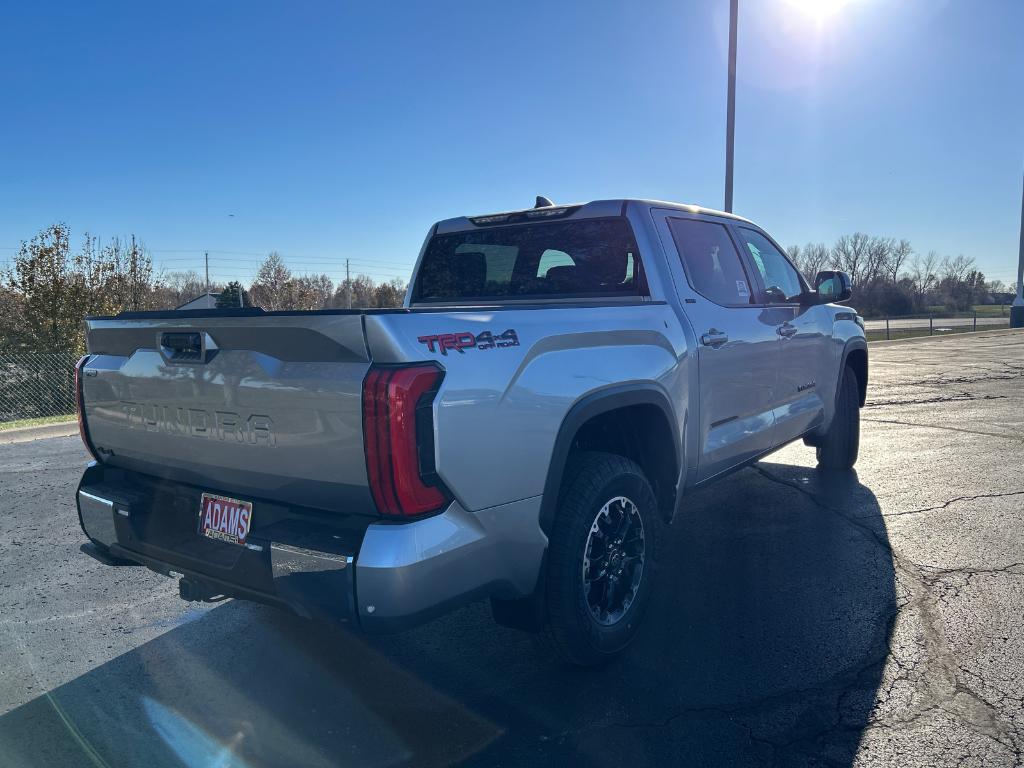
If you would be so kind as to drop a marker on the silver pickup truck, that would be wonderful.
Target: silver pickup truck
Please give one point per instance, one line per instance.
(521, 430)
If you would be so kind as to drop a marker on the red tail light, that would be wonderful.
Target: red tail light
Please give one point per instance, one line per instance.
(80, 406)
(396, 438)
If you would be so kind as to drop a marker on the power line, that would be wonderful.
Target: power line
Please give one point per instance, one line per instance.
(262, 254)
(311, 262)
(200, 266)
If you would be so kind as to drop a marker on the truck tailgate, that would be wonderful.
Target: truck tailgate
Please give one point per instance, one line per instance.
(258, 406)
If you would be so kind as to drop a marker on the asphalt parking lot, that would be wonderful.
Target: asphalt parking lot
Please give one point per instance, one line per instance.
(873, 619)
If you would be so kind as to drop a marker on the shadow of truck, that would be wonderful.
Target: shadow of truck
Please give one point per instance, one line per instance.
(765, 644)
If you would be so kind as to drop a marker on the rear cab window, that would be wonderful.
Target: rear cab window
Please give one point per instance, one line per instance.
(585, 258)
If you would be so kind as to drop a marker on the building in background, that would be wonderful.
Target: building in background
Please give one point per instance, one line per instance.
(206, 301)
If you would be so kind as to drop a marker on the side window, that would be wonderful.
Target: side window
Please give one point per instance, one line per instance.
(781, 280)
(712, 264)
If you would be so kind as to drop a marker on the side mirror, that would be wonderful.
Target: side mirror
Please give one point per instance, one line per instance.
(833, 286)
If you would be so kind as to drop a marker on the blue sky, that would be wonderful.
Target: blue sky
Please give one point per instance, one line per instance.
(332, 130)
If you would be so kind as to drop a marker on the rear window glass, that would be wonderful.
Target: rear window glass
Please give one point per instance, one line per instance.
(564, 259)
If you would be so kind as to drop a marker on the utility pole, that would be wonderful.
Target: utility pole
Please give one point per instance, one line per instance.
(1017, 311)
(206, 257)
(730, 109)
(133, 276)
(348, 287)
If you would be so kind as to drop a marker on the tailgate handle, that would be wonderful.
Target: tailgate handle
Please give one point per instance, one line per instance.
(186, 346)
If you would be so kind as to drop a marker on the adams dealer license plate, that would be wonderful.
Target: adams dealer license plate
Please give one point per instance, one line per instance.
(224, 518)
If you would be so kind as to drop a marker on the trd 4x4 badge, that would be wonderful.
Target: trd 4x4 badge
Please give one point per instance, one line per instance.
(460, 342)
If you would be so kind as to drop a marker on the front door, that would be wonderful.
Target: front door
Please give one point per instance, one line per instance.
(808, 359)
(737, 344)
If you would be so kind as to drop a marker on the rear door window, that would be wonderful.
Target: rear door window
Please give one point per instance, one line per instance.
(564, 259)
(711, 261)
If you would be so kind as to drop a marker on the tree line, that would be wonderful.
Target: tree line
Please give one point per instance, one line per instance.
(890, 278)
(276, 288)
(49, 286)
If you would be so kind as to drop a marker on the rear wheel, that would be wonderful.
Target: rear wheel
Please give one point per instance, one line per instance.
(601, 559)
(839, 447)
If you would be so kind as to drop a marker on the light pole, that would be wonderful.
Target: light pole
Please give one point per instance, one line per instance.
(730, 110)
(1017, 310)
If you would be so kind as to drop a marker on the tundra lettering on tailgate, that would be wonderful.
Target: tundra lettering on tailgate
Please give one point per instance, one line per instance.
(460, 342)
(195, 422)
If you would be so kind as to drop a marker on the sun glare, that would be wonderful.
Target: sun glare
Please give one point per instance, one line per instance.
(819, 10)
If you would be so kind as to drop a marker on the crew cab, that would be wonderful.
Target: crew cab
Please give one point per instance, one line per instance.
(521, 430)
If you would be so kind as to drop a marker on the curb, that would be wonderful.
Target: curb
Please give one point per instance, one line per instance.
(24, 434)
(947, 336)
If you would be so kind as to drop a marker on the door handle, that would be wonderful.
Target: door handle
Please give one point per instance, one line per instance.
(714, 338)
(786, 330)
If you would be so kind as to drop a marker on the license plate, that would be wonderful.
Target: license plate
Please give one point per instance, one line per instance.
(224, 518)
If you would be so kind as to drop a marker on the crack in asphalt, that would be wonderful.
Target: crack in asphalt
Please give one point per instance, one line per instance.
(1009, 371)
(958, 499)
(941, 382)
(939, 676)
(960, 397)
(936, 572)
(1002, 435)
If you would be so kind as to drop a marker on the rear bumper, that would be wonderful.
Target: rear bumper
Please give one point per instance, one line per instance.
(380, 576)
(408, 573)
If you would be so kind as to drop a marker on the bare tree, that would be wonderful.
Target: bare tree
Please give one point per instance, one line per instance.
(924, 272)
(956, 270)
(272, 288)
(796, 256)
(176, 288)
(817, 256)
(810, 259)
(125, 272)
(850, 253)
(362, 289)
(899, 254)
(311, 292)
(875, 261)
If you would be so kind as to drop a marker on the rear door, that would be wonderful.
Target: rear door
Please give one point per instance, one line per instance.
(808, 358)
(738, 348)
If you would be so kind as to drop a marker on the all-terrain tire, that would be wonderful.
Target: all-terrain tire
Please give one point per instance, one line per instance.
(591, 503)
(838, 448)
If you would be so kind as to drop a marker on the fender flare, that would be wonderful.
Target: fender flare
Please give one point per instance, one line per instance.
(854, 343)
(587, 407)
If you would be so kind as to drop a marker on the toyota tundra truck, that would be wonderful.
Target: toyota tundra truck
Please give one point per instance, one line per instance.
(521, 430)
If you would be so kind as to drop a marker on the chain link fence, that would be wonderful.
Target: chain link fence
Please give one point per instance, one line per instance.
(36, 385)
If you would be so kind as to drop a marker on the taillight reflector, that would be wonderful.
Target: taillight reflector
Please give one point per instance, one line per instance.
(390, 398)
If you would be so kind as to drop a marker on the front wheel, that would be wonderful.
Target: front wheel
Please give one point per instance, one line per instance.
(839, 447)
(601, 559)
